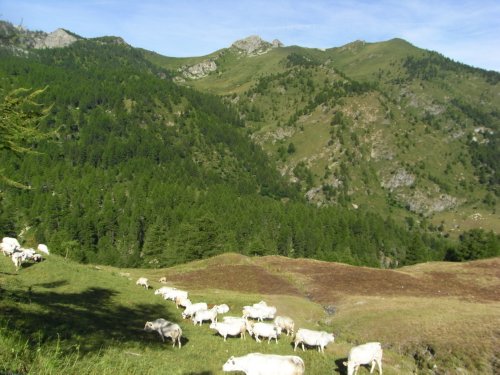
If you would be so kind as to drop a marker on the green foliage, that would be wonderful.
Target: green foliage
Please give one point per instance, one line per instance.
(432, 64)
(20, 115)
(295, 59)
(475, 244)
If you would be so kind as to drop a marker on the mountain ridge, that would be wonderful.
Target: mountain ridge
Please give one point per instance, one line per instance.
(412, 86)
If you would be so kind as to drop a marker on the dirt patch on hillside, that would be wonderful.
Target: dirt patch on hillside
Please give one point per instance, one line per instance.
(242, 278)
(330, 281)
(326, 283)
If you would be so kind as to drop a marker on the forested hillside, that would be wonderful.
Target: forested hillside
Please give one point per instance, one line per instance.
(144, 172)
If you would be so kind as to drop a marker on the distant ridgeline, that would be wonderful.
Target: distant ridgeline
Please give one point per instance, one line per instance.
(148, 173)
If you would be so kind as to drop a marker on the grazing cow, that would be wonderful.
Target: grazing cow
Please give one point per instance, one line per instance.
(233, 328)
(230, 319)
(222, 309)
(313, 338)
(181, 301)
(202, 315)
(27, 254)
(164, 289)
(259, 312)
(163, 280)
(265, 364)
(370, 353)
(285, 323)
(264, 330)
(190, 310)
(165, 329)
(175, 293)
(142, 281)
(43, 248)
(239, 320)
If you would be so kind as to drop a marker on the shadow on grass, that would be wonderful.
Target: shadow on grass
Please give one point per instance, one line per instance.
(53, 284)
(341, 368)
(90, 319)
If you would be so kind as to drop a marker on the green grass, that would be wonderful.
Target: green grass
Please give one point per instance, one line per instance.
(63, 317)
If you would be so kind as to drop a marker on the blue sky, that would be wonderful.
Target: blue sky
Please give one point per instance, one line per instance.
(466, 31)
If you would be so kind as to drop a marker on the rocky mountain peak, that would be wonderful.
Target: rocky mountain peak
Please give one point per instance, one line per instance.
(255, 45)
(20, 39)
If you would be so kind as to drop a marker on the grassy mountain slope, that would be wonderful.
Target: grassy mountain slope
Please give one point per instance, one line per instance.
(383, 125)
(63, 317)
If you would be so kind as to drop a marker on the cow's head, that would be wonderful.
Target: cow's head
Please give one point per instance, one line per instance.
(230, 365)
(350, 367)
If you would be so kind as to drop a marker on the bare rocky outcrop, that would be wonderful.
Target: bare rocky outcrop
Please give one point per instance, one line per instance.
(57, 39)
(425, 204)
(199, 70)
(254, 45)
(399, 179)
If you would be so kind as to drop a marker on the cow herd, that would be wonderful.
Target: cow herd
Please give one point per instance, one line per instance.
(258, 320)
(19, 255)
(252, 322)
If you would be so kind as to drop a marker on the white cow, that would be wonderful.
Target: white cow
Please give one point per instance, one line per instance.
(176, 293)
(265, 330)
(164, 289)
(27, 254)
(370, 353)
(239, 320)
(259, 312)
(225, 329)
(285, 323)
(43, 248)
(202, 315)
(266, 364)
(8, 249)
(165, 329)
(313, 338)
(184, 302)
(163, 280)
(11, 241)
(17, 259)
(190, 310)
(222, 309)
(142, 281)
(230, 319)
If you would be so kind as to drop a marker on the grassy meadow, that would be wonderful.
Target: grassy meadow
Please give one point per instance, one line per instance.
(62, 317)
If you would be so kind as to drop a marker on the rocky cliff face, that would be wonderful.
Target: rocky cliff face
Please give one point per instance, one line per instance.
(19, 39)
(57, 39)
